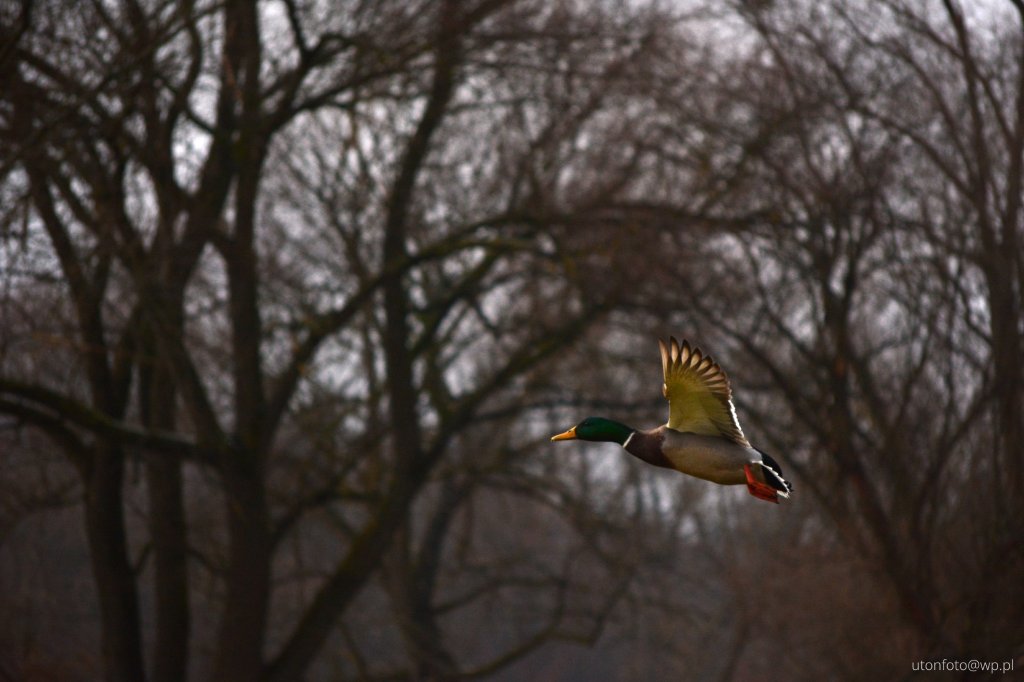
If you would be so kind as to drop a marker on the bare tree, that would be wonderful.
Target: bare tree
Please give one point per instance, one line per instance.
(870, 196)
(291, 292)
(141, 142)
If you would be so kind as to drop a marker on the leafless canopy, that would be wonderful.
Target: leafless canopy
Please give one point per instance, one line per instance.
(292, 293)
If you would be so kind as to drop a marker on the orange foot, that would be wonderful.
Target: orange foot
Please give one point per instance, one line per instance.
(761, 491)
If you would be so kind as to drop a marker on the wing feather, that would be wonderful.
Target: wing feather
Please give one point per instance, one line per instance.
(699, 397)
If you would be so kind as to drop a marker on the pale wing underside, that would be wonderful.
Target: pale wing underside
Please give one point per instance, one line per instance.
(698, 393)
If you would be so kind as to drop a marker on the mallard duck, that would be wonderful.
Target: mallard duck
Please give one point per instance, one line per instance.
(702, 437)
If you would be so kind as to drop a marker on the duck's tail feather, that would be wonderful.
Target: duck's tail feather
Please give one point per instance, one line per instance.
(773, 475)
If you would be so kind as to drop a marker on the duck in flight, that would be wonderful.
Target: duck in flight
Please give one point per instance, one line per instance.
(702, 437)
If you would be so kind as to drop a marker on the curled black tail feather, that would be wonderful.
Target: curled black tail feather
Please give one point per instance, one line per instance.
(773, 474)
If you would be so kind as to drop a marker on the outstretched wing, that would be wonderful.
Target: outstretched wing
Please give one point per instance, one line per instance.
(699, 399)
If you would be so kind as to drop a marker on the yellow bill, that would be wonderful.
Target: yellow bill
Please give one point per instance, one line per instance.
(568, 435)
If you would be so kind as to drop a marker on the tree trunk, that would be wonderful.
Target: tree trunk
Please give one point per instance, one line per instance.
(240, 647)
(112, 571)
(168, 530)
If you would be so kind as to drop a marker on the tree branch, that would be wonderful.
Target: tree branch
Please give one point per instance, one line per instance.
(50, 408)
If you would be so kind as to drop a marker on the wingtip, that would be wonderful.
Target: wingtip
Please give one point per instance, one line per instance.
(677, 352)
(683, 353)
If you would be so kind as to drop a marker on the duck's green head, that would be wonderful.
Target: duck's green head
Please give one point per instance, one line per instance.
(597, 429)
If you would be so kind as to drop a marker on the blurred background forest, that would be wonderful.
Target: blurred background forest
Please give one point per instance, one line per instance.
(293, 293)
